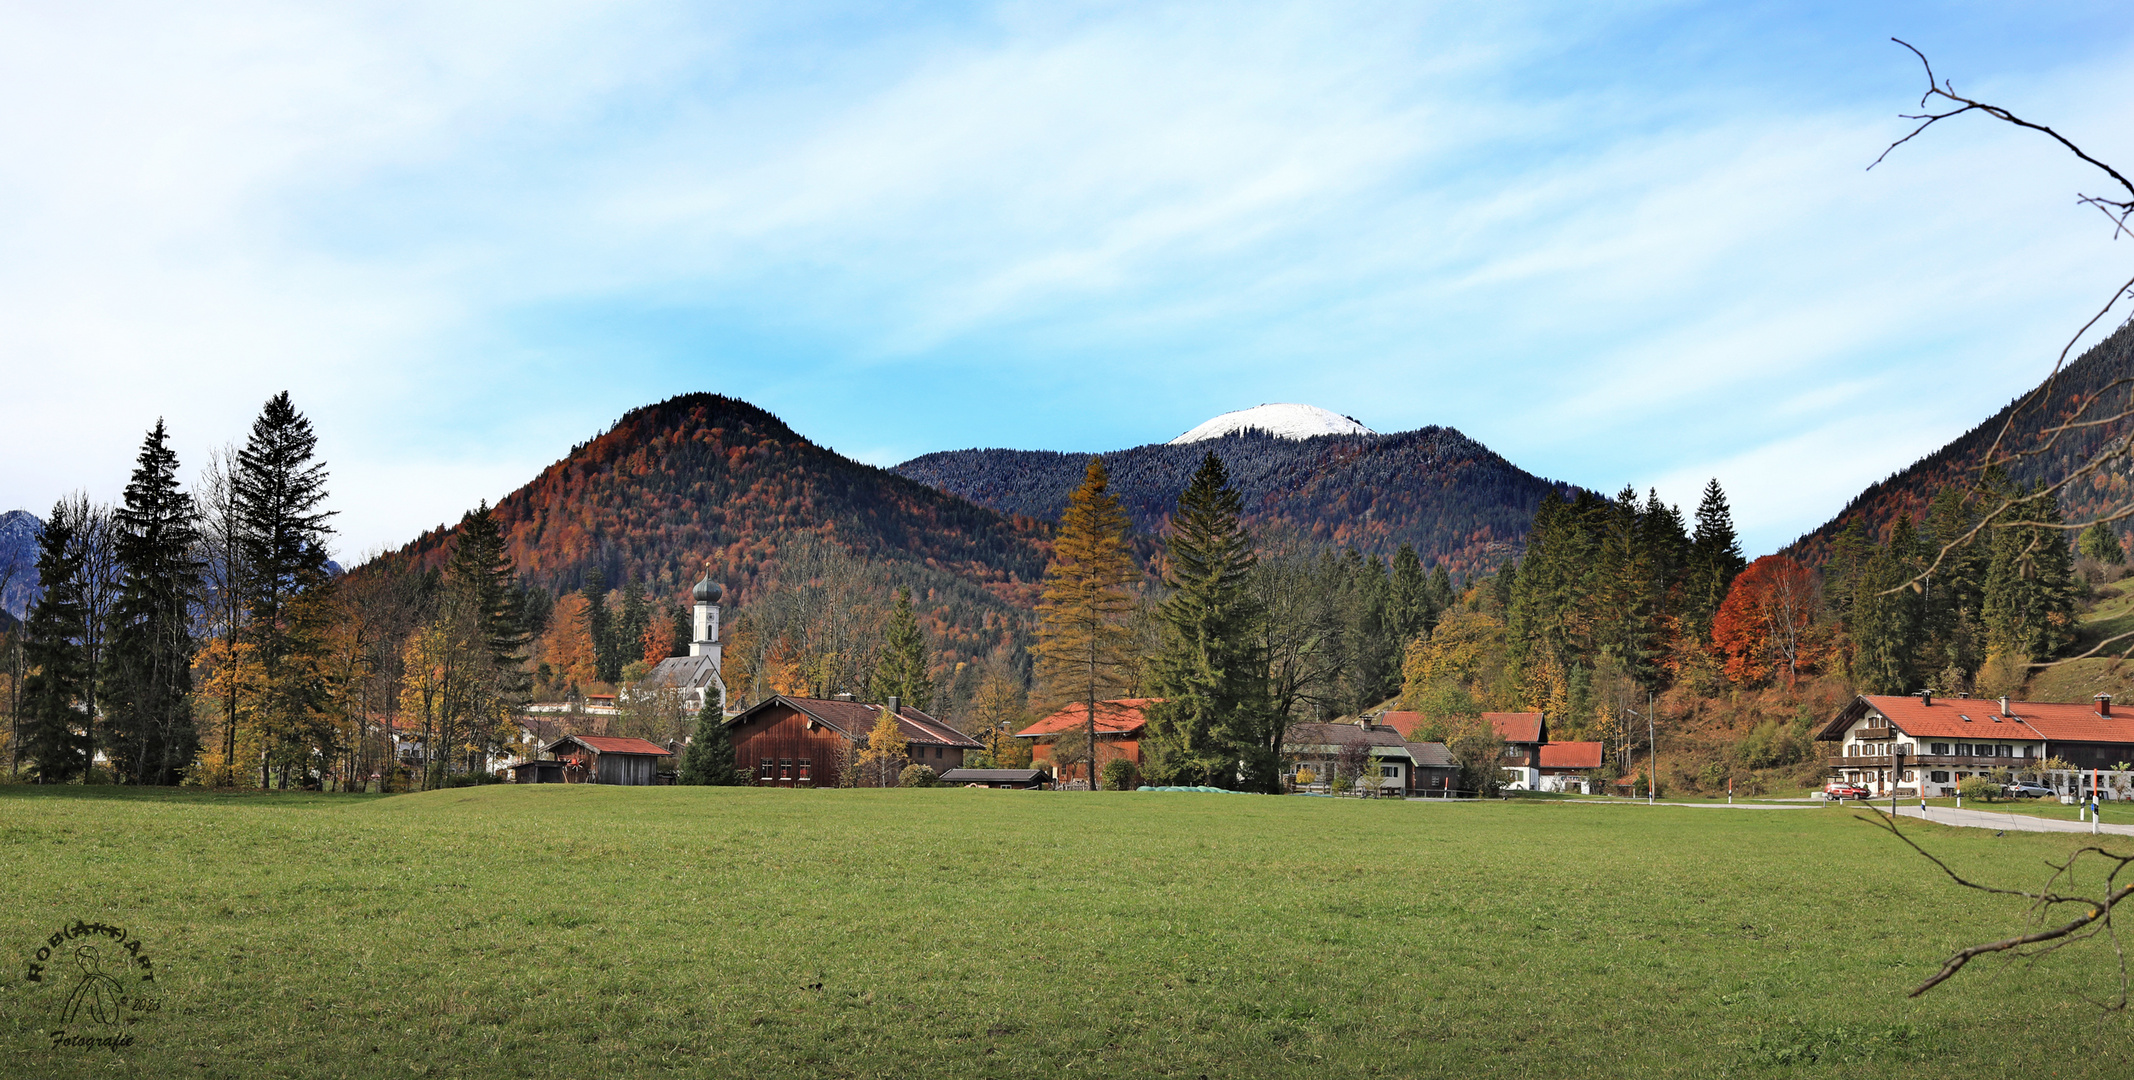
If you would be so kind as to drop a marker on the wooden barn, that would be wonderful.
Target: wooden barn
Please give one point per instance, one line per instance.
(1119, 728)
(804, 742)
(602, 759)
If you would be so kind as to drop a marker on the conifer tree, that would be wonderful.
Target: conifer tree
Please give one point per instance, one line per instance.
(1211, 671)
(1714, 560)
(2099, 542)
(1441, 593)
(904, 669)
(481, 577)
(283, 540)
(147, 681)
(1415, 609)
(56, 692)
(2028, 604)
(709, 760)
(600, 627)
(1082, 637)
(633, 624)
(1886, 616)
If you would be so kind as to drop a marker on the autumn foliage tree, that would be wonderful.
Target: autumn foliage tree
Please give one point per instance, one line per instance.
(1082, 637)
(1767, 624)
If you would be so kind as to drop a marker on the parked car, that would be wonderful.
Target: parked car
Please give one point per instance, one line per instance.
(1845, 791)
(2024, 789)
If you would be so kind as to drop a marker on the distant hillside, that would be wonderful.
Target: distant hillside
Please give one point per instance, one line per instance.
(1909, 491)
(1456, 501)
(708, 484)
(19, 530)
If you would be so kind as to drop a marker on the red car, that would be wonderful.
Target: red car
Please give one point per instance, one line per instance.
(1845, 791)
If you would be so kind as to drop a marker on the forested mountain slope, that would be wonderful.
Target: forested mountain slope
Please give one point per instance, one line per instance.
(1460, 504)
(2035, 455)
(707, 484)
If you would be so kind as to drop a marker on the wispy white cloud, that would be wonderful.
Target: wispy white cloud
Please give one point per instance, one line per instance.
(468, 237)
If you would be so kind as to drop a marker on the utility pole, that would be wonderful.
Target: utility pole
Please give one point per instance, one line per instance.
(1652, 754)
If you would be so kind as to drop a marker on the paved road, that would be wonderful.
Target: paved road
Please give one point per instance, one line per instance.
(1945, 815)
(1987, 819)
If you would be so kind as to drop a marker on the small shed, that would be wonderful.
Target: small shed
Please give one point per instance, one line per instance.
(997, 778)
(609, 760)
(543, 771)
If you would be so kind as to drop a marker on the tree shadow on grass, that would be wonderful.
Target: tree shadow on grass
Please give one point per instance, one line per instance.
(133, 793)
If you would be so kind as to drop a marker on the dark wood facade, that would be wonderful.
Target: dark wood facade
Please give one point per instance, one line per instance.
(601, 759)
(805, 742)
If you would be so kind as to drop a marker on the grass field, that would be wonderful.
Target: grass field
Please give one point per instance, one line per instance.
(577, 931)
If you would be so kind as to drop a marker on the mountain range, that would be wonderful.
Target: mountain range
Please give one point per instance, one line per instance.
(2030, 448)
(1460, 504)
(705, 484)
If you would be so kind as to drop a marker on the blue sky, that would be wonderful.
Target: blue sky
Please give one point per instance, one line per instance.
(1633, 244)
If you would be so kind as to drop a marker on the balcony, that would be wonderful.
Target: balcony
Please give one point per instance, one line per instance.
(1936, 761)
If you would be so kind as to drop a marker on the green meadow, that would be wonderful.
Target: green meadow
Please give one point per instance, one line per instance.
(577, 931)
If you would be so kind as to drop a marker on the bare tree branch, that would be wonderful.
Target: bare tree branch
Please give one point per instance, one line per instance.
(2096, 917)
(1941, 102)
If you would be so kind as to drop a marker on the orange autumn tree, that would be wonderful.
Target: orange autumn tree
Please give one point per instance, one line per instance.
(567, 648)
(1766, 626)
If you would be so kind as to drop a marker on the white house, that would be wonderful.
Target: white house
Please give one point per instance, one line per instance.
(1316, 753)
(1882, 742)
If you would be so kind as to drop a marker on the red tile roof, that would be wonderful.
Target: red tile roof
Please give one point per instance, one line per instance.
(1981, 718)
(1123, 716)
(1516, 727)
(604, 744)
(1571, 755)
(1403, 722)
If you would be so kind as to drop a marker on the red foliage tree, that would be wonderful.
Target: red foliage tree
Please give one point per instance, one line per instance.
(1766, 626)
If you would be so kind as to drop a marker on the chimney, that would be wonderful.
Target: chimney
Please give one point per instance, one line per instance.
(2004, 707)
(2104, 704)
(895, 708)
(1926, 697)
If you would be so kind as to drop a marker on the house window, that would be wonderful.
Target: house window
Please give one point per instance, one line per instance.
(764, 771)
(785, 768)
(1939, 776)
(1392, 772)
(804, 769)
(937, 751)
(1940, 748)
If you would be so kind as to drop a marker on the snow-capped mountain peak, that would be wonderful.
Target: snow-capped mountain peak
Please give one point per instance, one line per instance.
(1282, 421)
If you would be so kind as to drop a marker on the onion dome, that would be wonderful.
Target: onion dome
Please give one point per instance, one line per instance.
(708, 591)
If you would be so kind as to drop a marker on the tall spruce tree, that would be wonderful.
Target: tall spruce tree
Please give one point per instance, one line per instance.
(709, 760)
(147, 681)
(633, 624)
(600, 627)
(279, 489)
(481, 575)
(57, 690)
(1211, 671)
(1082, 637)
(2028, 604)
(1714, 558)
(904, 671)
(1415, 607)
(1887, 615)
